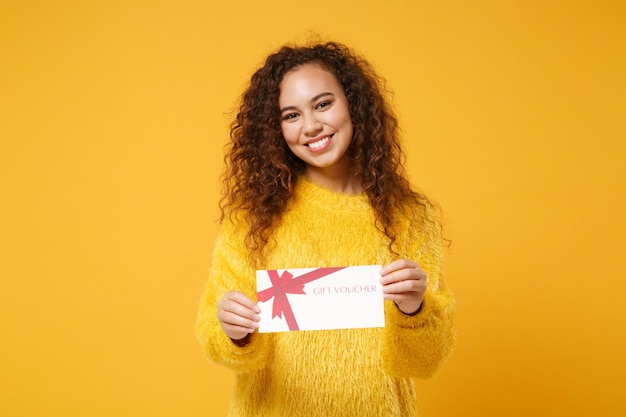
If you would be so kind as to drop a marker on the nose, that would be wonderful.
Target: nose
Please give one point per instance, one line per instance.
(312, 126)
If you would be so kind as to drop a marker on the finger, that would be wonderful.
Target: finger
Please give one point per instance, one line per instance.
(234, 322)
(234, 308)
(407, 274)
(235, 332)
(397, 265)
(406, 286)
(242, 299)
(401, 298)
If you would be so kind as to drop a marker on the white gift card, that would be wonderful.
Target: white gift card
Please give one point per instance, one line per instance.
(320, 298)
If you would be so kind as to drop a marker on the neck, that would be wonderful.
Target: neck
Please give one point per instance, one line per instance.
(341, 181)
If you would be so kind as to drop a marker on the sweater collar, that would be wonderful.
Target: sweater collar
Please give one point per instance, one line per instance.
(309, 192)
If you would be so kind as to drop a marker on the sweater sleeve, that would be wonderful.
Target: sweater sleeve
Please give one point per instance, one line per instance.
(230, 271)
(416, 346)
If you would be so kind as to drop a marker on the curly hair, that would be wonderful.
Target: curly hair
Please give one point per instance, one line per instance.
(261, 170)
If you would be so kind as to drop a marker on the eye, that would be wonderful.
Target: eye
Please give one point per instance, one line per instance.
(290, 116)
(323, 105)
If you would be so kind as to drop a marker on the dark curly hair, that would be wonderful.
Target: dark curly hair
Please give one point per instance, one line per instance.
(261, 170)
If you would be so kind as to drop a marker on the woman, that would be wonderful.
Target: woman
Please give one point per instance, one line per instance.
(314, 178)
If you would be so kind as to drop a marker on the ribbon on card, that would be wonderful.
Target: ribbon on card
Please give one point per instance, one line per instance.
(284, 284)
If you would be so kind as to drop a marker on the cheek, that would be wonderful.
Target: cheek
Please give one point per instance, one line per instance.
(290, 133)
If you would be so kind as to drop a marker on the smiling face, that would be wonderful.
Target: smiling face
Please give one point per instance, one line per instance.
(315, 122)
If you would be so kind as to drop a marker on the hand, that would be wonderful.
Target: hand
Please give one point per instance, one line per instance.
(404, 283)
(238, 315)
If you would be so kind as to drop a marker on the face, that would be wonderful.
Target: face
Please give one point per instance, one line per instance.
(315, 120)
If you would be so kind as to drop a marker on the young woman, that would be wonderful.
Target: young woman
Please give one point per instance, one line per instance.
(314, 178)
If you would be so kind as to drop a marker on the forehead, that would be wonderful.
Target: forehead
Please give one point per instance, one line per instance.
(309, 79)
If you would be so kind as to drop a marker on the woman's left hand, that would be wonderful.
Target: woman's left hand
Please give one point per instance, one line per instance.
(404, 283)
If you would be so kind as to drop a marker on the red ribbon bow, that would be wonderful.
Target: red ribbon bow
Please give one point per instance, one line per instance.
(283, 285)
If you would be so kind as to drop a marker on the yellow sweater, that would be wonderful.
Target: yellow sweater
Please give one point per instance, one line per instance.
(352, 372)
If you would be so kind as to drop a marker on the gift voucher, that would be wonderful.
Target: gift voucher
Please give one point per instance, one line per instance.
(320, 298)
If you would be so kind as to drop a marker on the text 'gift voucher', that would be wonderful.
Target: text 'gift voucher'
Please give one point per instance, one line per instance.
(320, 298)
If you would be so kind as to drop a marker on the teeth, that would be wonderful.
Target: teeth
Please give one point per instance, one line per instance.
(320, 143)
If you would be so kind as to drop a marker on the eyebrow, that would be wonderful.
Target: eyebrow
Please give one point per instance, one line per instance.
(313, 100)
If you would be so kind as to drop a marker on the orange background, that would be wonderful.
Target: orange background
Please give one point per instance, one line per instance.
(113, 116)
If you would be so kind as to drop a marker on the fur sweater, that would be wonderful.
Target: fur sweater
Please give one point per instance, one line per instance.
(350, 372)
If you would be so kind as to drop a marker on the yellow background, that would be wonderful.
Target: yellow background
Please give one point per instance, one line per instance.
(113, 115)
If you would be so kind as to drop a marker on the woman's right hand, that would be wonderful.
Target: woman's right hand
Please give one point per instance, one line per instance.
(238, 315)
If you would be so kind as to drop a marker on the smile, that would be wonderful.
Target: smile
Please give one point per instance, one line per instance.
(319, 144)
